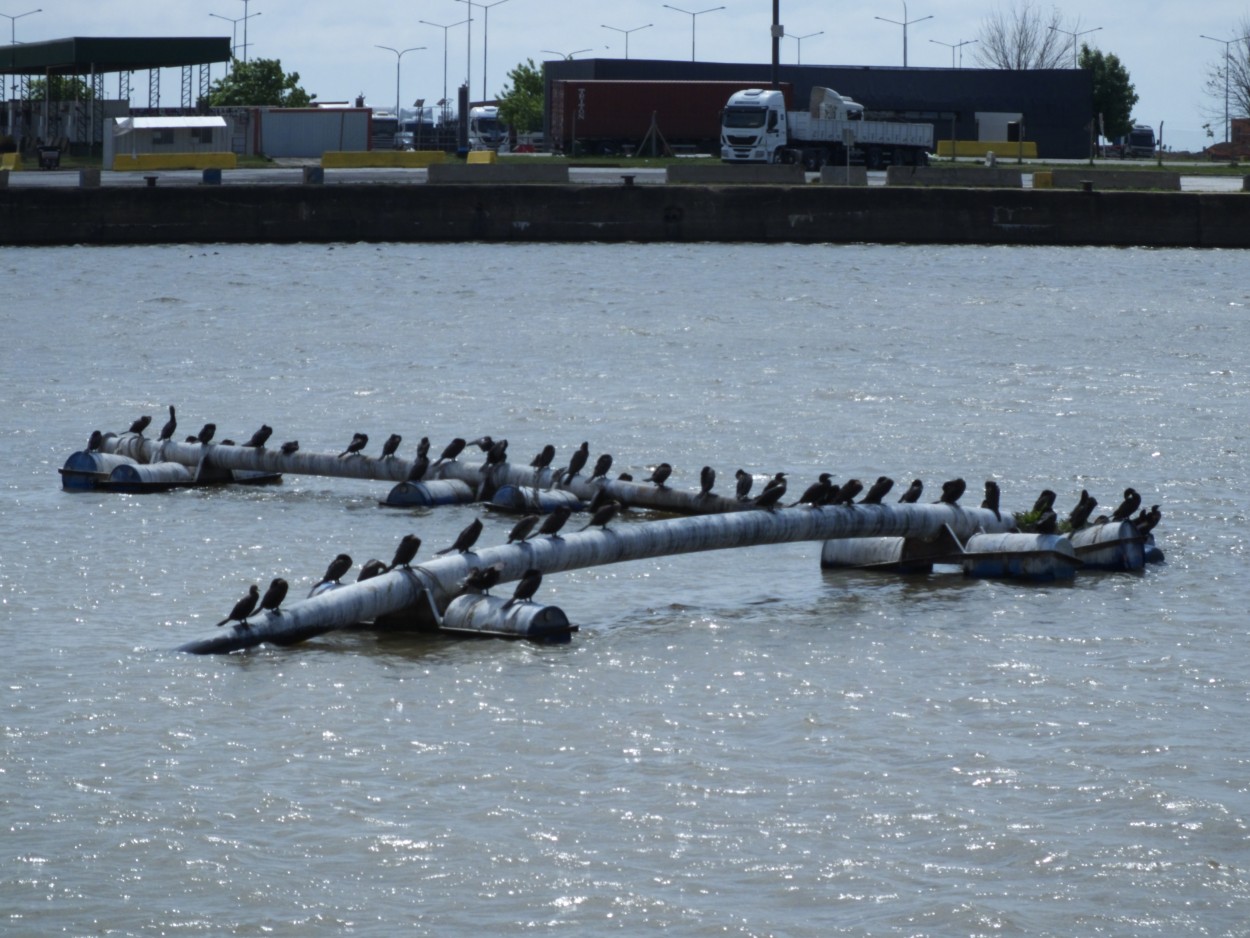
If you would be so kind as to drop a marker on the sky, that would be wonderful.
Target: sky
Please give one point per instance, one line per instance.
(333, 45)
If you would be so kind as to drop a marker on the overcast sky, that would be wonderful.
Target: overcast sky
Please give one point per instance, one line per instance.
(332, 44)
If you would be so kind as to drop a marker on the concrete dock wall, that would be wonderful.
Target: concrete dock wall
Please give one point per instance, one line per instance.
(538, 213)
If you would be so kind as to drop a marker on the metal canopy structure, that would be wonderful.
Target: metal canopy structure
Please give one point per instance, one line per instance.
(84, 55)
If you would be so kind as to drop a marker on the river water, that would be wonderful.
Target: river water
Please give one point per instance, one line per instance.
(735, 743)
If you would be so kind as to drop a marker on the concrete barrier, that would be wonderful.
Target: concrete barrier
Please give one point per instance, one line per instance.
(10, 161)
(381, 159)
(481, 157)
(737, 174)
(1105, 179)
(145, 162)
(961, 176)
(844, 176)
(500, 173)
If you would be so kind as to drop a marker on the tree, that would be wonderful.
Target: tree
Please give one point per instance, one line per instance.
(258, 82)
(1114, 95)
(1238, 83)
(521, 103)
(64, 88)
(1020, 39)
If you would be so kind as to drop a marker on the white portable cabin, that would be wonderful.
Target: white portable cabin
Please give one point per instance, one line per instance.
(131, 136)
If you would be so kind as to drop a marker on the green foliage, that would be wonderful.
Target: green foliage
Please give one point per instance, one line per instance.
(257, 83)
(1114, 95)
(521, 102)
(64, 88)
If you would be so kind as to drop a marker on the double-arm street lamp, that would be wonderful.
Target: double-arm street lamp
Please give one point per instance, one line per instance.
(799, 40)
(692, 14)
(485, 7)
(905, 23)
(13, 18)
(617, 29)
(953, 46)
(1227, 67)
(445, 29)
(399, 57)
(1075, 36)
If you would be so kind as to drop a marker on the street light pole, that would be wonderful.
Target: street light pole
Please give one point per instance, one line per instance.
(234, 22)
(445, 30)
(246, 16)
(13, 18)
(905, 23)
(692, 15)
(567, 57)
(627, 32)
(1075, 36)
(399, 57)
(799, 40)
(1227, 67)
(953, 46)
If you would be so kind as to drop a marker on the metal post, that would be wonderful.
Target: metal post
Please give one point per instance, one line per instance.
(1227, 43)
(953, 46)
(692, 15)
(799, 40)
(399, 56)
(445, 30)
(13, 18)
(1068, 32)
(626, 33)
(905, 23)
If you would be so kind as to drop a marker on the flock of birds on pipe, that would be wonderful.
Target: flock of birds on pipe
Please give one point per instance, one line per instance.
(1041, 519)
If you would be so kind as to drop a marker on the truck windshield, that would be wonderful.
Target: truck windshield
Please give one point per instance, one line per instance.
(745, 117)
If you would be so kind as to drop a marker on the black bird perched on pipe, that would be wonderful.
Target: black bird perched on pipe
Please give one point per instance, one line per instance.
(1085, 506)
(544, 457)
(482, 579)
(497, 455)
(745, 480)
(601, 498)
(578, 462)
(260, 437)
(335, 571)
(707, 481)
(952, 491)
(773, 492)
(816, 493)
(273, 597)
(625, 477)
(192, 439)
(171, 426)
(423, 448)
(912, 495)
(484, 443)
(226, 443)
(526, 587)
(877, 491)
(243, 608)
(847, 492)
(451, 451)
(1045, 502)
(991, 497)
(359, 442)
(1132, 501)
(521, 530)
(391, 446)
(659, 475)
(1048, 523)
(289, 447)
(604, 515)
(95, 442)
(555, 521)
(405, 552)
(418, 469)
(206, 433)
(140, 425)
(466, 539)
(370, 569)
(1146, 521)
(602, 466)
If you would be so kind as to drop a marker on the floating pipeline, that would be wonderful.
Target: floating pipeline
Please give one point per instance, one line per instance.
(1025, 556)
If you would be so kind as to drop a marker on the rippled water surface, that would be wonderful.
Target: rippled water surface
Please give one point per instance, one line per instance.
(735, 743)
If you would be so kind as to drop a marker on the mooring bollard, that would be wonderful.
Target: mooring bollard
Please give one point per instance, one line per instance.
(151, 181)
(211, 177)
(314, 175)
(88, 177)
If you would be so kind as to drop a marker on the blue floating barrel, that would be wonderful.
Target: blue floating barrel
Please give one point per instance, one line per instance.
(892, 554)
(1152, 553)
(1027, 556)
(478, 614)
(1110, 546)
(528, 500)
(428, 494)
(84, 471)
(152, 477)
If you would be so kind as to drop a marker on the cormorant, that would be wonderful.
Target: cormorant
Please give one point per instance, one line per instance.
(171, 426)
(404, 553)
(773, 492)
(912, 495)
(497, 454)
(289, 447)
(423, 448)
(602, 465)
(1048, 523)
(359, 442)
(370, 569)
(243, 608)
(334, 572)
(707, 480)
(95, 442)
(659, 475)
(745, 481)
(991, 497)
(260, 437)
(484, 443)
(419, 467)
(1084, 508)
(273, 597)
(482, 578)
(625, 477)
(847, 492)
(521, 530)
(226, 443)
(192, 439)
(952, 491)
(816, 493)
(526, 587)
(578, 461)
(466, 539)
(544, 457)
(555, 521)
(1132, 501)
(877, 491)
(140, 425)
(206, 433)
(391, 446)
(451, 450)
(603, 516)
(1045, 502)
(600, 498)
(1146, 521)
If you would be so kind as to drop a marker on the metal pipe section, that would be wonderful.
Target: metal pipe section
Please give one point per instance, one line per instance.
(443, 577)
